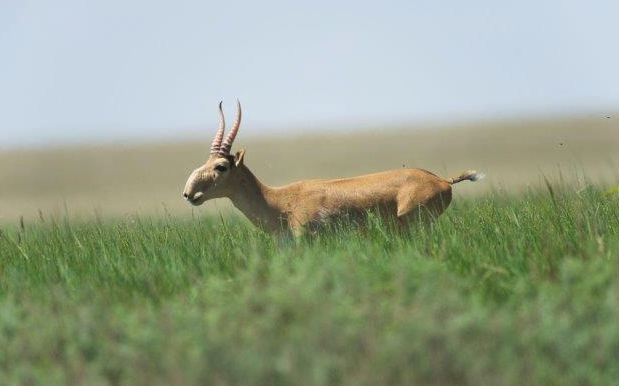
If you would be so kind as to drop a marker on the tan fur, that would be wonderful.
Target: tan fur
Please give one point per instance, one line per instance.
(403, 195)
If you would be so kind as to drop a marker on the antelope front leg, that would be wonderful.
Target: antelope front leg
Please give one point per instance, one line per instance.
(297, 230)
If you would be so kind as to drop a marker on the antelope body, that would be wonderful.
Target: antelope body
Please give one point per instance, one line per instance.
(403, 195)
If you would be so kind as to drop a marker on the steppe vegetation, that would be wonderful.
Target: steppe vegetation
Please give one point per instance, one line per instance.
(113, 283)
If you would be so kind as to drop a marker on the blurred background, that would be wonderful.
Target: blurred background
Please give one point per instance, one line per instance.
(106, 106)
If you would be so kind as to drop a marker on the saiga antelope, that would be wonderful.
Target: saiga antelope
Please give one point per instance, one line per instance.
(402, 195)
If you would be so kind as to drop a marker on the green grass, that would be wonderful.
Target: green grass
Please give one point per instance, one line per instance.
(504, 290)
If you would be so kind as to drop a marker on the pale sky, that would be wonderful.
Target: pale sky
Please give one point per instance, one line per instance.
(83, 71)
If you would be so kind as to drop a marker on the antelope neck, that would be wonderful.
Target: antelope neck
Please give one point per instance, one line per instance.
(255, 200)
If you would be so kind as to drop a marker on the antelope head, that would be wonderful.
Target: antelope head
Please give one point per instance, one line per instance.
(218, 176)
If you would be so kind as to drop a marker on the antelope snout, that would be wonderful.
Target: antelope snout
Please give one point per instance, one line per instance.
(193, 199)
(197, 196)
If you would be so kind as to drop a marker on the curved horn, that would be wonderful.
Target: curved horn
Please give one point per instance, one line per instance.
(227, 145)
(220, 132)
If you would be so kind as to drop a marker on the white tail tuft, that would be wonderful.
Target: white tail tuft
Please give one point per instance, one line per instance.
(476, 176)
(469, 175)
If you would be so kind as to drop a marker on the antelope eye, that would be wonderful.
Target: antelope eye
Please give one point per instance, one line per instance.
(221, 168)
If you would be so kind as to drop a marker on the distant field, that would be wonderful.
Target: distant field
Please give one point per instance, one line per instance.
(505, 290)
(117, 180)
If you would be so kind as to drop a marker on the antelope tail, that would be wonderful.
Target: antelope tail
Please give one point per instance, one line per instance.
(470, 175)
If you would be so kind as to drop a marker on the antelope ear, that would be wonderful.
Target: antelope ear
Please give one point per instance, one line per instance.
(238, 158)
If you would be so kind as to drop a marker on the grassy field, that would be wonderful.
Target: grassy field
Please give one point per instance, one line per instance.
(108, 278)
(506, 289)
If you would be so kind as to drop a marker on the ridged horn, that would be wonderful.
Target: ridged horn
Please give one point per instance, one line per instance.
(220, 132)
(224, 150)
